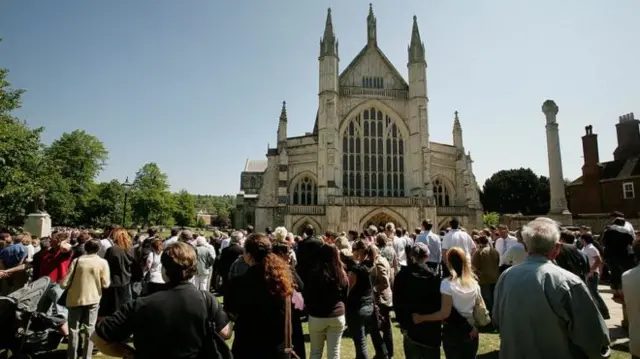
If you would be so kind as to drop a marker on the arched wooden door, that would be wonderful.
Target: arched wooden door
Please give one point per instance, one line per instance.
(380, 220)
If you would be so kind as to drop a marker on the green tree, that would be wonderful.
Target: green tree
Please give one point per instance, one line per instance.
(151, 201)
(184, 211)
(491, 219)
(516, 191)
(20, 156)
(104, 205)
(76, 159)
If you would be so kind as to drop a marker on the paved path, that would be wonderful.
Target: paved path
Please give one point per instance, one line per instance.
(619, 336)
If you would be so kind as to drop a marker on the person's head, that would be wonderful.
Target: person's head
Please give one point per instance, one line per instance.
(459, 266)
(567, 237)
(483, 239)
(362, 251)
(277, 273)
(352, 235)
(282, 250)
(157, 245)
(35, 241)
(121, 238)
(342, 242)
(308, 231)
(249, 230)
(619, 221)
(174, 232)
(427, 225)
(185, 236)
(419, 253)
(179, 262)
(372, 230)
(25, 239)
(91, 246)
(236, 237)
(152, 231)
(390, 228)
(454, 223)
(381, 240)
(541, 237)
(57, 239)
(587, 238)
(503, 231)
(399, 232)
(268, 231)
(84, 237)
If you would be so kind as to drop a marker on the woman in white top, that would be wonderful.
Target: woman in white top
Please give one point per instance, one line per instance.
(153, 270)
(459, 292)
(593, 278)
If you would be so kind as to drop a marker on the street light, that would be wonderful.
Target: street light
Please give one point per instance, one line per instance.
(126, 186)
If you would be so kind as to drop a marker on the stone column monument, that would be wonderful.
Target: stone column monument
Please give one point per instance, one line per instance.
(558, 202)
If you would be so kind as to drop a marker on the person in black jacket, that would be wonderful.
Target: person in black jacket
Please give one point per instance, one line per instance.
(571, 258)
(417, 290)
(227, 256)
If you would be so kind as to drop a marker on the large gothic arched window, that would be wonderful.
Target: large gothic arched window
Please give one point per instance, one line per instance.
(441, 192)
(305, 192)
(373, 156)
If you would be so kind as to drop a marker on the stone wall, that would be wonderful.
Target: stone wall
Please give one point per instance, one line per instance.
(597, 222)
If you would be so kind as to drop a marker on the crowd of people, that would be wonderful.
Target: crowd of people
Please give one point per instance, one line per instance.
(537, 287)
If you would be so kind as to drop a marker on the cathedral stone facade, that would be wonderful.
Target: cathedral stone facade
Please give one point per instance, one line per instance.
(368, 159)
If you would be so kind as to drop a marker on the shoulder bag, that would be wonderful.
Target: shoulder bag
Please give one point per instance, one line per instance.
(289, 352)
(480, 312)
(62, 301)
(214, 346)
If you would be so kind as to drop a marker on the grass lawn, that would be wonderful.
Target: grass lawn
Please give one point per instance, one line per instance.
(489, 346)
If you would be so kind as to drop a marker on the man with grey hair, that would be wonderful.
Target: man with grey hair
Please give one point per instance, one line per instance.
(551, 305)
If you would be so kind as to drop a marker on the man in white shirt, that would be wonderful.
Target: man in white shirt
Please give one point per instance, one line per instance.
(457, 238)
(172, 239)
(399, 244)
(434, 243)
(504, 242)
(516, 253)
(105, 241)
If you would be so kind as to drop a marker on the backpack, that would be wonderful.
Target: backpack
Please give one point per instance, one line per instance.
(214, 346)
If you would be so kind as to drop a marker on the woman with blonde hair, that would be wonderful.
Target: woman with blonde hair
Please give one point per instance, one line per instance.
(120, 257)
(459, 292)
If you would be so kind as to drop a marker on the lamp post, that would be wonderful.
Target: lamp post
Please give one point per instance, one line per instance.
(126, 187)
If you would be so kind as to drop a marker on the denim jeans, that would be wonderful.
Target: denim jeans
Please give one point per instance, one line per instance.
(359, 325)
(486, 290)
(413, 350)
(463, 350)
(325, 329)
(49, 302)
(592, 284)
(82, 323)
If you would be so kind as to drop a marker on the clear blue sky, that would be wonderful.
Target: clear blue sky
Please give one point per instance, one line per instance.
(197, 85)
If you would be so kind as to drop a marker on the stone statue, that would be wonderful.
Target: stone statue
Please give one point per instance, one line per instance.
(39, 202)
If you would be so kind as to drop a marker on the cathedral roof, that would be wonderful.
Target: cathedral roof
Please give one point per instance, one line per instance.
(384, 58)
(255, 166)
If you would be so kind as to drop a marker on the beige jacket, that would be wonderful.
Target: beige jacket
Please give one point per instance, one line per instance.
(381, 278)
(91, 276)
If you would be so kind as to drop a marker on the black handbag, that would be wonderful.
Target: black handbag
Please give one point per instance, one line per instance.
(62, 301)
(214, 346)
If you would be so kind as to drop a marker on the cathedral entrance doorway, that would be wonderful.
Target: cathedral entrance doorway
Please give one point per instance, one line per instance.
(381, 217)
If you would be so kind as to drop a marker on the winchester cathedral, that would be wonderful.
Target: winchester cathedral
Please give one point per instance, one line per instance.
(368, 159)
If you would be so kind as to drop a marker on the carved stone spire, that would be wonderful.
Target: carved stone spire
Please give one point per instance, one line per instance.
(416, 46)
(283, 112)
(456, 121)
(328, 43)
(457, 132)
(372, 39)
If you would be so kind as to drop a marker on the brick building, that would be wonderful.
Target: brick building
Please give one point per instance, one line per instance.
(609, 186)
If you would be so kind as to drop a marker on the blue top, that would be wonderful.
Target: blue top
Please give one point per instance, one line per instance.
(434, 243)
(13, 255)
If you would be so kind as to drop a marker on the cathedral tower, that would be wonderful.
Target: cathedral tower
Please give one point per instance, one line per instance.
(327, 113)
(418, 110)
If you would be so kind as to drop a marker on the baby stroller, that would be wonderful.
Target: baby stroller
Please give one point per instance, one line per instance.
(24, 331)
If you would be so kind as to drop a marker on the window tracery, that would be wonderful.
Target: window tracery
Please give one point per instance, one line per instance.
(441, 192)
(373, 158)
(305, 192)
